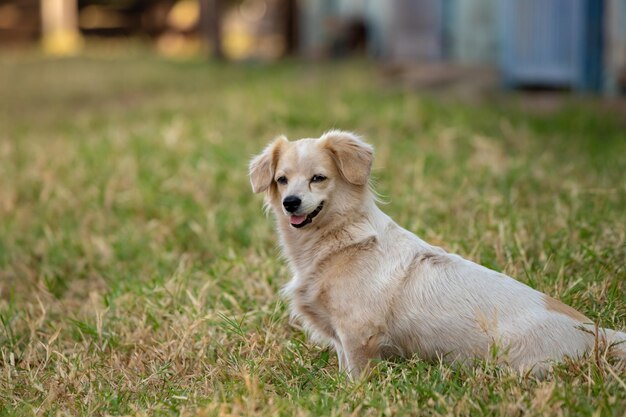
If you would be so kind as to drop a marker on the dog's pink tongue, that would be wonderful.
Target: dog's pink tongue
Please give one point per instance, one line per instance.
(296, 219)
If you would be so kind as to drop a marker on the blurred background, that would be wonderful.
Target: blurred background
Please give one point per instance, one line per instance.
(575, 45)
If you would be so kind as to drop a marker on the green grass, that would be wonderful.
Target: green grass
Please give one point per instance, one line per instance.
(138, 274)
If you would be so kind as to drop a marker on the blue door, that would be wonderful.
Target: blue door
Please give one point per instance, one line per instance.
(552, 43)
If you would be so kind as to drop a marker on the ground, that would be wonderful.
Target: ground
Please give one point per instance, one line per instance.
(139, 274)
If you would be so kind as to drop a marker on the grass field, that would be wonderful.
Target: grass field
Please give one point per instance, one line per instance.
(139, 275)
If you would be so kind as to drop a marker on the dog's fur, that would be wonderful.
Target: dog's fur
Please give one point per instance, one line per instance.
(372, 289)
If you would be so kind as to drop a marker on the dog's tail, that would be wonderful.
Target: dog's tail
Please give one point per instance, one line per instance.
(616, 341)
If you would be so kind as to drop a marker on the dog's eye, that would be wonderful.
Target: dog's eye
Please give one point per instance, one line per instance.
(318, 178)
(282, 180)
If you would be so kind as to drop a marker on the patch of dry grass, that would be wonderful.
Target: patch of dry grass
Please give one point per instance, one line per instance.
(138, 274)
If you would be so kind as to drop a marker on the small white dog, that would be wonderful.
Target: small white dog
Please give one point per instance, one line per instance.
(372, 289)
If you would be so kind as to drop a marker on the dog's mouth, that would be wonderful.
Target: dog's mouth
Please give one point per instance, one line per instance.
(302, 220)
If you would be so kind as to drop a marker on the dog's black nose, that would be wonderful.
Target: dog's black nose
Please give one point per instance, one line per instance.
(291, 203)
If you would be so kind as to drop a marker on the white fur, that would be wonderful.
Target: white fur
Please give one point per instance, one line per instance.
(372, 289)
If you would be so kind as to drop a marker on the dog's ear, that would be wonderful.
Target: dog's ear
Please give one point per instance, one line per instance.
(353, 156)
(262, 166)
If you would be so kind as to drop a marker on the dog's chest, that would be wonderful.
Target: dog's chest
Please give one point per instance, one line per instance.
(324, 286)
(312, 303)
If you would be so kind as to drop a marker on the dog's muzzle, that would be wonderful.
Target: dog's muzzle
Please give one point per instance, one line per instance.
(309, 218)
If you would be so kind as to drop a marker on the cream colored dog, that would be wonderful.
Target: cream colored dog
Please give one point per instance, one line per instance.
(372, 289)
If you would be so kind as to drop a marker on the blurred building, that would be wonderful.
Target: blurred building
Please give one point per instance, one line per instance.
(21, 20)
(572, 44)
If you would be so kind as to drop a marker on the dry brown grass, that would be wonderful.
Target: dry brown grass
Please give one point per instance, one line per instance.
(139, 276)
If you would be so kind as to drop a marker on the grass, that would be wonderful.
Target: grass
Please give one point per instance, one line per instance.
(138, 274)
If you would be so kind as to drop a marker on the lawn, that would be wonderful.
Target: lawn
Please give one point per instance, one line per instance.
(139, 274)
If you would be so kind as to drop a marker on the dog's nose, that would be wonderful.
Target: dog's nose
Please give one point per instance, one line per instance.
(291, 203)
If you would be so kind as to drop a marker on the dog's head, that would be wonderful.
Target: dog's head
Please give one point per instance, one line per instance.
(313, 180)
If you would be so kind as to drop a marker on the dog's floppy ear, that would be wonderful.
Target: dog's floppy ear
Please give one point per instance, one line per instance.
(262, 166)
(353, 156)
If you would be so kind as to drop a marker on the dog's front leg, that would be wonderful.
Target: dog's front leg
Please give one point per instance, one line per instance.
(358, 351)
(341, 356)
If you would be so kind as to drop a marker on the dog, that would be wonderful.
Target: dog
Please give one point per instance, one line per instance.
(374, 290)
